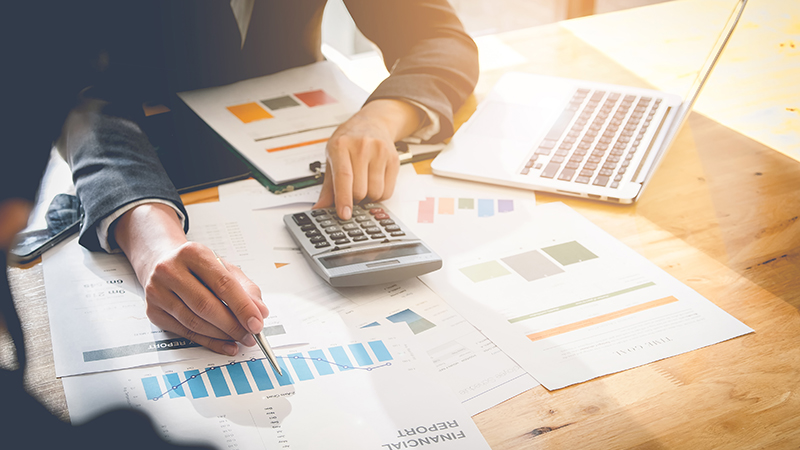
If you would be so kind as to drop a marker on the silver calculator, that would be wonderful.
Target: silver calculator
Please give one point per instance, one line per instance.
(372, 247)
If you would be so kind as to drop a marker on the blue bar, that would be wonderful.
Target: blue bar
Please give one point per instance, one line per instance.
(240, 382)
(300, 367)
(174, 387)
(321, 362)
(373, 324)
(151, 388)
(485, 207)
(380, 350)
(196, 384)
(286, 378)
(340, 357)
(260, 375)
(218, 383)
(362, 357)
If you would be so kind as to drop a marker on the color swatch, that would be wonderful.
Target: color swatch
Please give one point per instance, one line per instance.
(569, 253)
(249, 112)
(532, 265)
(448, 206)
(315, 98)
(280, 102)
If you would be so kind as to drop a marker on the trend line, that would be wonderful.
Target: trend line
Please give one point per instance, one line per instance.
(232, 363)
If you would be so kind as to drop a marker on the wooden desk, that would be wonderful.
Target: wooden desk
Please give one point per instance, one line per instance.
(721, 216)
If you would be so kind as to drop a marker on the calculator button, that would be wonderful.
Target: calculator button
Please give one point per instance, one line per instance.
(322, 244)
(343, 222)
(327, 223)
(318, 212)
(392, 228)
(318, 239)
(373, 230)
(350, 226)
(312, 233)
(301, 219)
(378, 236)
(368, 224)
(360, 238)
(381, 216)
(361, 218)
(385, 222)
(341, 241)
(332, 229)
(354, 233)
(370, 206)
(374, 211)
(308, 227)
(323, 218)
(337, 235)
(397, 233)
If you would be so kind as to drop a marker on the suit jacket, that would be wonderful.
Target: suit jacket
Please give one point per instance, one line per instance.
(148, 51)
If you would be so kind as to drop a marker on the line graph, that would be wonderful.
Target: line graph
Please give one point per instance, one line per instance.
(235, 379)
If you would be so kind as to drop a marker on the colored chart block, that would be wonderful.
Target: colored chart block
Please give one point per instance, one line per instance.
(447, 206)
(173, 383)
(505, 206)
(417, 323)
(218, 383)
(249, 112)
(425, 213)
(484, 271)
(196, 385)
(259, 372)
(341, 358)
(532, 265)
(151, 387)
(321, 362)
(300, 367)
(286, 378)
(466, 203)
(362, 357)
(315, 98)
(239, 379)
(569, 253)
(485, 207)
(273, 330)
(380, 350)
(373, 324)
(280, 102)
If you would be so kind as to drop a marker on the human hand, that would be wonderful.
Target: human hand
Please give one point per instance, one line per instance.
(362, 162)
(185, 284)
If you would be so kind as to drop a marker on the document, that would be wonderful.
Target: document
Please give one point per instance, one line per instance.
(97, 308)
(364, 389)
(564, 299)
(280, 123)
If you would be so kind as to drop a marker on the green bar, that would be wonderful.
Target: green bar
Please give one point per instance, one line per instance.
(484, 271)
(466, 203)
(580, 302)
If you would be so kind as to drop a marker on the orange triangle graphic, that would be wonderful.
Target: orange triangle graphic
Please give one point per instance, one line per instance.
(279, 265)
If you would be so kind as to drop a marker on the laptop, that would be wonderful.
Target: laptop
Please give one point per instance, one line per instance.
(572, 137)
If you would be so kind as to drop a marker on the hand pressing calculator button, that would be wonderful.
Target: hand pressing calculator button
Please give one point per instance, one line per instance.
(373, 247)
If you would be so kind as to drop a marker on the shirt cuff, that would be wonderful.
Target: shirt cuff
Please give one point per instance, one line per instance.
(108, 243)
(430, 127)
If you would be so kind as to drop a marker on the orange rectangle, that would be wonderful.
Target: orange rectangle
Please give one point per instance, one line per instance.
(249, 112)
(299, 144)
(447, 206)
(600, 319)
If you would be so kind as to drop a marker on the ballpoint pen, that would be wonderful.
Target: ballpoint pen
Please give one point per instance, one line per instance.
(260, 339)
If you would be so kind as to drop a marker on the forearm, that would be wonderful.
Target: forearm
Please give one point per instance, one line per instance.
(147, 230)
(400, 119)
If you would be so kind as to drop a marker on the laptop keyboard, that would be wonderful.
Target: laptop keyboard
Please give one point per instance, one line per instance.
(598, 145)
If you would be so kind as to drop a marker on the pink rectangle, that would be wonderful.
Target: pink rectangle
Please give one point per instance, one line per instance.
(425, 214)
(447, 206)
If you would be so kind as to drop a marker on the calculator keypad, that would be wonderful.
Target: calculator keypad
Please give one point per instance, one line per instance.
(369, 222)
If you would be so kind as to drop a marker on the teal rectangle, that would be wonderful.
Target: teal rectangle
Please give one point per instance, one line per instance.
(173, 382)
(380, 350)
(263, 383)
(196, 385)
(340, 357)
(362, 357)
(218, 383)
(321, 362)
(239, 379)
(300, 367)
(151, 388)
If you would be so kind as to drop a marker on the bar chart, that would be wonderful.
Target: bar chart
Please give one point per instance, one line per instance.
(532, 265)
(257, 375)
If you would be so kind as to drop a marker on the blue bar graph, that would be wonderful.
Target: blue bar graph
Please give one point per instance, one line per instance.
(362, 357)
(239, 379)
(300, 367)
(485, 207)
(380, 350)
(260, 375)
(286, 378)
(151, 388)
(321, 362)
(218, 383)
(340, 357)
(196, 385)
(173, 383)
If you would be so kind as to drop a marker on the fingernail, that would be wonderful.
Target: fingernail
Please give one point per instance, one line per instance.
(346, 212)
(249, 340)
(232, 349)
(255, 326)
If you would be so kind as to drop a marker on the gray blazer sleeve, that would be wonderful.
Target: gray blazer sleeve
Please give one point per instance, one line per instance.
(429, 56)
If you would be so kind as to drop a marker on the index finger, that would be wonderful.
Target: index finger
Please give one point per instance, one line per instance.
(341, 171)
(225, 285)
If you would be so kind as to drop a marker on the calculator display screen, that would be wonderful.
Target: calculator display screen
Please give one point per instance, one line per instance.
(371, 255)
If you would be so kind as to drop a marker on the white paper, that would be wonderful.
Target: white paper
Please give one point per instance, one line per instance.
(383, 396)
(292, 120)
(567, 301)
(97, 309)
